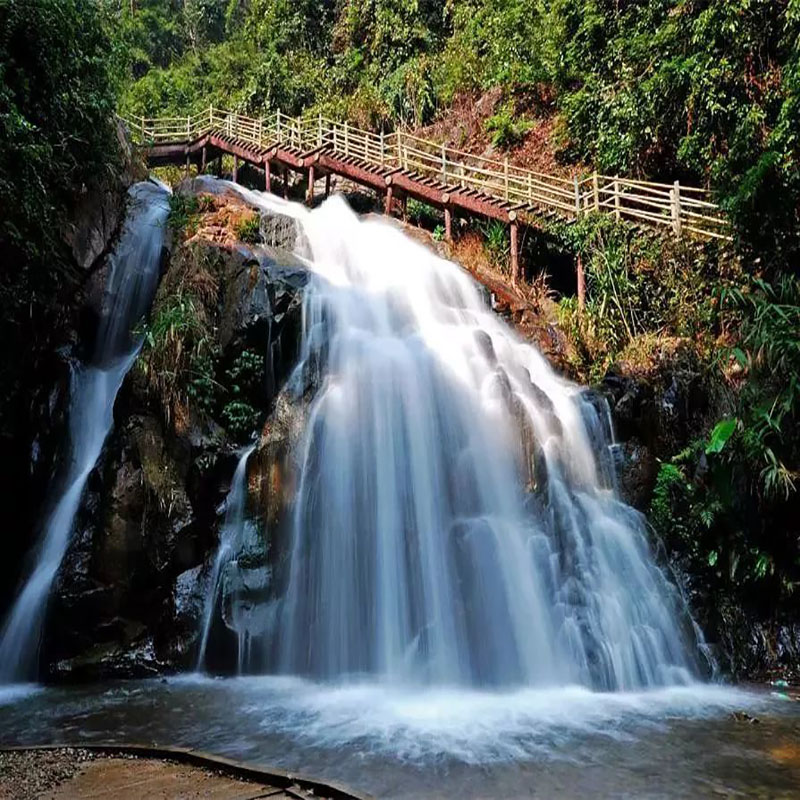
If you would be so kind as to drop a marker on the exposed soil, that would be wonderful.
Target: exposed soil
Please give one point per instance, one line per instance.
(462, 126)
(70, 773)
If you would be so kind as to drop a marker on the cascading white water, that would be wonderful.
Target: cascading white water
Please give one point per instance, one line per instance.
(231, 543)
(456, 520)
(132, 281)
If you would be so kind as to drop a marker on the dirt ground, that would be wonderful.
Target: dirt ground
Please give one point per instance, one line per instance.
(70, 773)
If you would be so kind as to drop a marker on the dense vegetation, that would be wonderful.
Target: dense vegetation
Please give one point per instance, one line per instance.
(57, 137)
(707, 91)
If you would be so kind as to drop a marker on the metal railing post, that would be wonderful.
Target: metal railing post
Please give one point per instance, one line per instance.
(383, 148)
(505, 175)
(278, 125)
(319, 130)
(346, 138)
(444, 164)
(596, 188)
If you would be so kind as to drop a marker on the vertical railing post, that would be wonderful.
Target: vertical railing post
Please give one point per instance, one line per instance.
(188, 129)
(444, 164)
(505, 175)
(319, 130)
(617, 201)
(676, 209)
(144, 134)
(335, 137)
(346, 138)
(259, 133)
(211, 116)
(399, 150)
(596, 189)
(278, 125)
(530, 188)
(383, 148)
(577, 197)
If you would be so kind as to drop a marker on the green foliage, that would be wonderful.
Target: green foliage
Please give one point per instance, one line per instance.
(248, 229)
(506, 130)
(637, 288)
(438, 233)
(770, 400)
(57, 140)
(723, 431)
(242, 382)
(422, 214)
(731, 500)
(240, 418)
(178, 356)
(56, 116)
(497, 244)
(183, 212)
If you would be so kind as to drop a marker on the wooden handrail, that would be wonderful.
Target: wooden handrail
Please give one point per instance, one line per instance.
(672, 206)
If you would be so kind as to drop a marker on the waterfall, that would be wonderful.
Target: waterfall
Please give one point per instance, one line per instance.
(456, 520)
(231, 543)
(131, 284)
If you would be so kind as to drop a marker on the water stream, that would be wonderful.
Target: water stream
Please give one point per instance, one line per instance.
(131, 284)
(231, 543)
(456, 521)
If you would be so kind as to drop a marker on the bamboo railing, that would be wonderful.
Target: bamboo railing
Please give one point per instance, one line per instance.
(683, 209)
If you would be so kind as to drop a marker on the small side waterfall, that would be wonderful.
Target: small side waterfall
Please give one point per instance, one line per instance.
(131, 285)
(231, 542)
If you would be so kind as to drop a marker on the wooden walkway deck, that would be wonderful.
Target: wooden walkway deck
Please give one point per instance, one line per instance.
(400, 165)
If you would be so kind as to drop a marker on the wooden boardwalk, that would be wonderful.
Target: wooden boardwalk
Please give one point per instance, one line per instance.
(400, 165)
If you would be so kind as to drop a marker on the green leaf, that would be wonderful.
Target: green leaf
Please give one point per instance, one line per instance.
(720, 435)
(712, 558)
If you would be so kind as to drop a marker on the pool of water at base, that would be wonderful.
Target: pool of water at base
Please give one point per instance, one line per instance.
(410, 742)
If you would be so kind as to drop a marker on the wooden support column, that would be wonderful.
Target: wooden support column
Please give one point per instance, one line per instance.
(235, 168)
(328, 185)
(203, 159)
(581, 284)
(448, 218)
(514, 226)
(267, 176)
(389, 190)
(188, 163)
(286, 183)
(405, 207)
(310, 192)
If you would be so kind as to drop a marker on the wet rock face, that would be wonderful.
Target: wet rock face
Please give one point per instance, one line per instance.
(130, 594)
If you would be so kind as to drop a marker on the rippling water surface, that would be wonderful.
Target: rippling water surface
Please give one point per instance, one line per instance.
(435, 743)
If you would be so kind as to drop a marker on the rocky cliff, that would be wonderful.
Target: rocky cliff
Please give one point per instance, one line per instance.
(221, 340)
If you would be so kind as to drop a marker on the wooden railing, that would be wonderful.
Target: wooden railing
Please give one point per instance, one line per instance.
(683, 209)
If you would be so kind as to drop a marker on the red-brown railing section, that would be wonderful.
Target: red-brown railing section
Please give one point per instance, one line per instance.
(683, 209)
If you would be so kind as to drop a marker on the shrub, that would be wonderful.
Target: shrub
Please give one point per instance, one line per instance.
(506, 130)
(248, 229)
